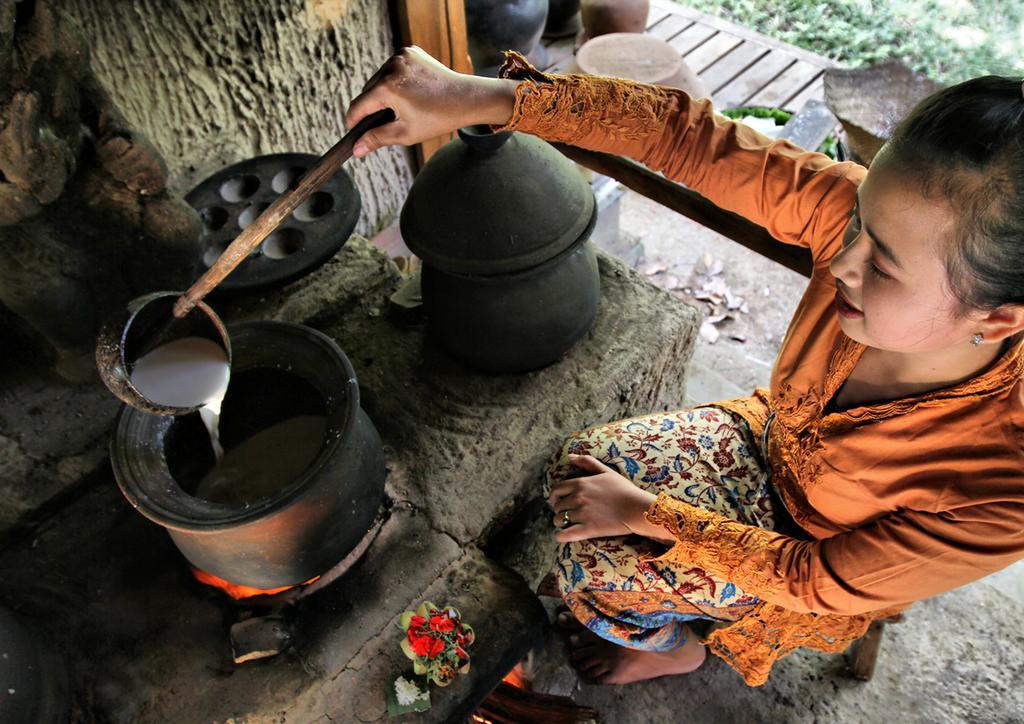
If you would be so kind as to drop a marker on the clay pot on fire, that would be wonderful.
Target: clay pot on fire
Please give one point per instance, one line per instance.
(494, 26)
(287, 528)
(502, 223)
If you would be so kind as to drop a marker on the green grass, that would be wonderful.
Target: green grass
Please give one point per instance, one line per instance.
(948, 40)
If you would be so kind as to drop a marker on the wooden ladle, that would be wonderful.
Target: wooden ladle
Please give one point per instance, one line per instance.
(148, 324)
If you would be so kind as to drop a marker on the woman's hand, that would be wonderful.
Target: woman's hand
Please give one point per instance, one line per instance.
(602, 504)
(428, 99)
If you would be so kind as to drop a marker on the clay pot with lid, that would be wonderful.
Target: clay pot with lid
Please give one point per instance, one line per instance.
(502, 222)
(310, 519)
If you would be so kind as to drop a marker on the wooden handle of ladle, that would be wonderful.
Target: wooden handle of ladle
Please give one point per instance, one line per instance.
(254, 234)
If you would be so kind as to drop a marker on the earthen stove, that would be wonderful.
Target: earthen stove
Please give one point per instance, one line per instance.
(143, 640)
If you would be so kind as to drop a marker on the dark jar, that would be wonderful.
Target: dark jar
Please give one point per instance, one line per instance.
(502, 222)
(310, 522)
(494, 26)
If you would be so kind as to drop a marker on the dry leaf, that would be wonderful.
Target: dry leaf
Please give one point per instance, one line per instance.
(716, 318)
(652, 268)
(707, 260)
(709, 333)
(716, 267)
(738, 338)
(714, 299)
(744, 308)
(732, 301)
(671, 282)
(715, 285)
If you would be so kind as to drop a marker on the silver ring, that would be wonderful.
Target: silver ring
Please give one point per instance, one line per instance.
(565, 519)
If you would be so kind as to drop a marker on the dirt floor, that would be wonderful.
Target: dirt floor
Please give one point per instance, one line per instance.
(747, 300)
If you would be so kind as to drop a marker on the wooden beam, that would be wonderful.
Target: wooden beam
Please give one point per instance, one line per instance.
(692, 205)
(439, 27)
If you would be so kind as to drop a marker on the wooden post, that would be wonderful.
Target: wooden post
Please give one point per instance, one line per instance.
(865, 653)
(439, 27)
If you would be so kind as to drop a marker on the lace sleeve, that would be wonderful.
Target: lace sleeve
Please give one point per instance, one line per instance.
(742, 554)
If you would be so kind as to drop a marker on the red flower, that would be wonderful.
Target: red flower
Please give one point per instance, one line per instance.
(436, 647)
(461, 652)
(417, 622)
(442, 623)
(422, 645)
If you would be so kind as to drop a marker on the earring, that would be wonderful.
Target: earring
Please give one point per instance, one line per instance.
(977, 339)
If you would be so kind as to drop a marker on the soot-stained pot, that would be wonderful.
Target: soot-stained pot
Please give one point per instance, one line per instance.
(494, 26)
(279, 371)
(563, 19)
(502, 222)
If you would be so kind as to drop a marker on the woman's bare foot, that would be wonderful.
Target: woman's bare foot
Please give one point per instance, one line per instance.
(607, 663)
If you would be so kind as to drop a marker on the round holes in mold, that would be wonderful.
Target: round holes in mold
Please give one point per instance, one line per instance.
(315, 206)
(214, 217)
(283, 243)
(239, 188)
(287, 179)
(250, 213)
(212, 254)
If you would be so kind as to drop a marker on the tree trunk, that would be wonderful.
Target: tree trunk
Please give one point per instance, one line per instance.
(220, 81)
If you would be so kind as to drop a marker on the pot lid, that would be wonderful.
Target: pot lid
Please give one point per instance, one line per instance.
(494, 203)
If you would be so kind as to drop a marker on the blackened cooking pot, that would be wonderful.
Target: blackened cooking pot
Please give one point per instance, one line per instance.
(502, 222)
(480, 319)
(279, 371)
(494, 26)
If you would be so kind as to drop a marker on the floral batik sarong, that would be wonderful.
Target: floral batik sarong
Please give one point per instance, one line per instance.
(706, 457)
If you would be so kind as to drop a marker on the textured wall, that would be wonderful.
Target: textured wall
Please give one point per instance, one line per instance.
(218, 81)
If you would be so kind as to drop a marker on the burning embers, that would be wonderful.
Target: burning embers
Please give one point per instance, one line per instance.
(240, 593)
(514, 701)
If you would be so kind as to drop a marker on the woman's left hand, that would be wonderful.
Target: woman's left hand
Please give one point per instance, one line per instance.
(601, 504)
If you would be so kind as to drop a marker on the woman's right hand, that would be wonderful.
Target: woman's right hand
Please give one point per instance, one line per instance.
(428, 99)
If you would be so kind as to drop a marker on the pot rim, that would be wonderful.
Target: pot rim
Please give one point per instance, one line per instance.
(204, 516)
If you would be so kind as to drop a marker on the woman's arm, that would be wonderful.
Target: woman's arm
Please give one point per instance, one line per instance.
(428, 99)
(895, 560)
(800, 197)
(891, 562)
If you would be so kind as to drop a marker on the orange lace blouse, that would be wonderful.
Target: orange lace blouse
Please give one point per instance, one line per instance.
(900, 500)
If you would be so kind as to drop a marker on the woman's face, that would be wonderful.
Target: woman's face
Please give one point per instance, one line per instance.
(893, 288)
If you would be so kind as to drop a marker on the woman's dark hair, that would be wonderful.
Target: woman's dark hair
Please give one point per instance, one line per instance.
(965, 143)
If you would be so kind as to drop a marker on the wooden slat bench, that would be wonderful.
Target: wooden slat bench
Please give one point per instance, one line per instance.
(740, 66)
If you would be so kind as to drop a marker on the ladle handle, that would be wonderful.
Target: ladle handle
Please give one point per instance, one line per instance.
(254, 234)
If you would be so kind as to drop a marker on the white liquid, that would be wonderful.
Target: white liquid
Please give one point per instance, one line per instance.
(265, 463)
(185, 373)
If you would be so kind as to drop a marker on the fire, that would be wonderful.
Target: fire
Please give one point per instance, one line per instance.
(515, 678)
(239, 592)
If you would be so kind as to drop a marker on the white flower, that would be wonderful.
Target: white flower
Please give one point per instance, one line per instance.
(407, 692)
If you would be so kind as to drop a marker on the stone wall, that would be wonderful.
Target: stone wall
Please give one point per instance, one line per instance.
(220, 81)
